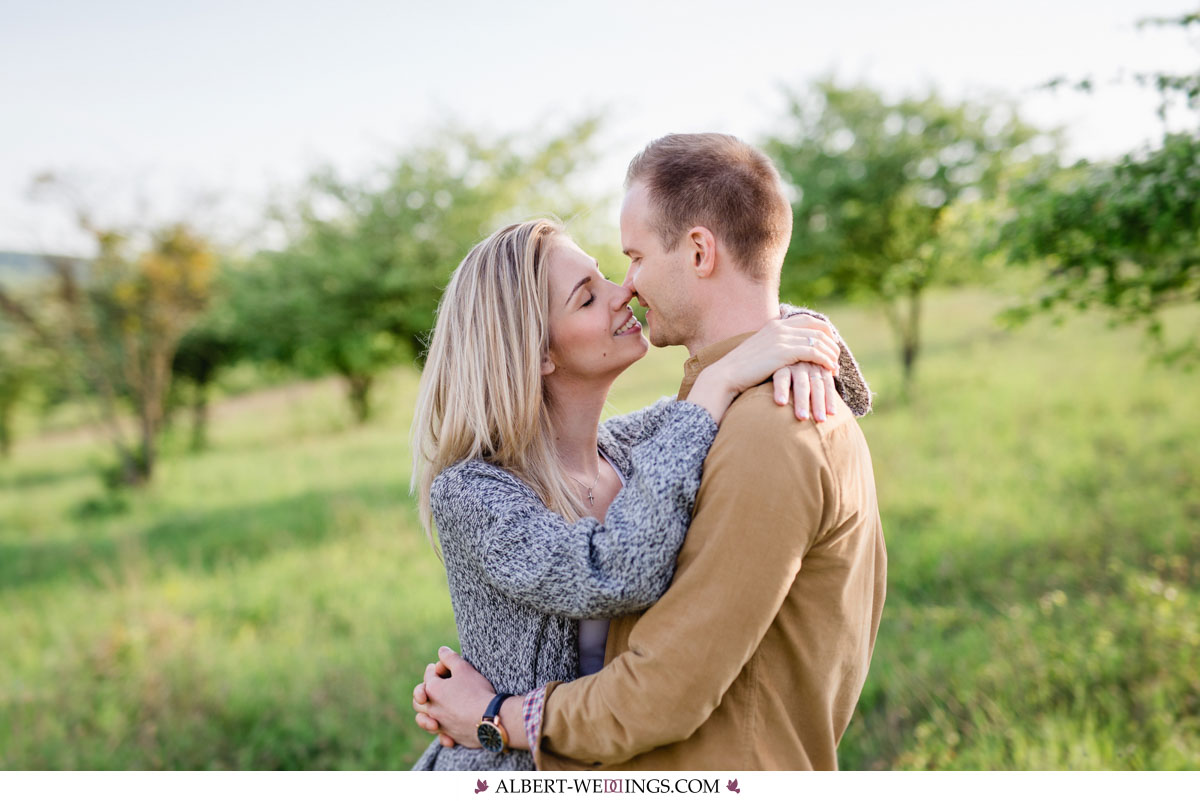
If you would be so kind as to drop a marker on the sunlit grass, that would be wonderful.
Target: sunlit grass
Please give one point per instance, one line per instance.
(271, 602)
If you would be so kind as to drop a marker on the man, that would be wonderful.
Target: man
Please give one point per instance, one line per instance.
(756, 655)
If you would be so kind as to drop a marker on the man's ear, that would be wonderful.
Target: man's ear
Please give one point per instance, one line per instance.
(547, 364)
(703, 246)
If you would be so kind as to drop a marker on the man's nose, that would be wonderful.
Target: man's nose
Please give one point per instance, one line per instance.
(628, 282)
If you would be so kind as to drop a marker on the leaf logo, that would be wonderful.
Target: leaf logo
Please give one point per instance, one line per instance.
(480, 786)
(731, 786)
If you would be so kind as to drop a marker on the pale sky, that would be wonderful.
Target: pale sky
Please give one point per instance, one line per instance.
(169, 101)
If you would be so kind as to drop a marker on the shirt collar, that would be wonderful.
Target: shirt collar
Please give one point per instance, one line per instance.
(703, 358)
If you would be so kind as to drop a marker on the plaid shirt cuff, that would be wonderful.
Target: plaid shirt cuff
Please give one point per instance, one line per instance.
(533, 707)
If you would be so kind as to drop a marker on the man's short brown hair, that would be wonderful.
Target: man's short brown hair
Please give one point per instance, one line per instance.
(722, 183)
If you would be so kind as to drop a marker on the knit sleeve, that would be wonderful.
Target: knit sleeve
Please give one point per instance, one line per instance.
(850, 382)
(629, 430)
(586, 568)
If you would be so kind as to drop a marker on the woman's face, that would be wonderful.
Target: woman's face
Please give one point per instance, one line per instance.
(593, 333)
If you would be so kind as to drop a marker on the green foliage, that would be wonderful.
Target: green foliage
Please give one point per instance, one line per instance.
(21, 366)
(875, 181)
(270, 602)
(217, 341)
(881, 187)
(1172, 86)
(1121, 235)
(1125, 235)
(127, 321)
(34, 376)
(357, 288)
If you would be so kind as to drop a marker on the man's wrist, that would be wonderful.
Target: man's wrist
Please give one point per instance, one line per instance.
(513, 721)
(492, 733)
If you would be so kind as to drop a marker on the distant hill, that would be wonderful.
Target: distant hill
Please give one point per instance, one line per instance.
(22, 268)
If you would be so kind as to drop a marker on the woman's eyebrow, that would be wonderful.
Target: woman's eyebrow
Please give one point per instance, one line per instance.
(575, 289)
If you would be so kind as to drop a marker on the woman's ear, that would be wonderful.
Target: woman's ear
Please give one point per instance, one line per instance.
(547, 364)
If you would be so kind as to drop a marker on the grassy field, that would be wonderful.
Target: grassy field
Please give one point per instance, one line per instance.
(271, 602)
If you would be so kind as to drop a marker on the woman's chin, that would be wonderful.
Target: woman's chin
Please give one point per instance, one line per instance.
(643, 347)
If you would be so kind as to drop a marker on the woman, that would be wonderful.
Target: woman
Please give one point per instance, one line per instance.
(549, 522)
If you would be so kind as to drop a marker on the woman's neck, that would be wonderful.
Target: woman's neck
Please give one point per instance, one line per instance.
(575, 409)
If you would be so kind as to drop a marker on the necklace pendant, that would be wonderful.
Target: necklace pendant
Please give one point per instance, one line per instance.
(591, 498)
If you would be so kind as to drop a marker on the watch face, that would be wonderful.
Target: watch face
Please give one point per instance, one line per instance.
(490, 737)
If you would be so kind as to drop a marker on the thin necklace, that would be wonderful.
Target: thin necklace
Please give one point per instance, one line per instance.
(591, 497)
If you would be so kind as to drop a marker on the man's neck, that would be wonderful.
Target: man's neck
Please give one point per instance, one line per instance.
(734, 313)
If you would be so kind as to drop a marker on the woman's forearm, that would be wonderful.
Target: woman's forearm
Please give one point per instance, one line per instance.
(713, 392)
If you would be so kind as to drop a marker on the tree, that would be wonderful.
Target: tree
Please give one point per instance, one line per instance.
(31, 375)
(212, 344)
(876, 183)
(117, 331)
(357, 287)
(19, 371)
(1123, 234)
(31, 350)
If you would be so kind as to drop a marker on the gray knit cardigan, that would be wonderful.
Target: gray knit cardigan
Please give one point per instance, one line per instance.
(521, 577)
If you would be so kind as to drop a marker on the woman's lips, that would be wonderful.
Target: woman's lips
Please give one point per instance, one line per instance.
(630, 326)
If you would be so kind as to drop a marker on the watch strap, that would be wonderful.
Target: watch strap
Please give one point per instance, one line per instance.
(493, 709)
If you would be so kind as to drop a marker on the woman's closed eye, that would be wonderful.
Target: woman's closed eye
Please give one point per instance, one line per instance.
(588, 302)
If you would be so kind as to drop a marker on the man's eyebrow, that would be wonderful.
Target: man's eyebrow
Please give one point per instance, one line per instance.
(575, 288)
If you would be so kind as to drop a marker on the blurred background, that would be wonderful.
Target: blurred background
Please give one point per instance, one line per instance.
(224, 229)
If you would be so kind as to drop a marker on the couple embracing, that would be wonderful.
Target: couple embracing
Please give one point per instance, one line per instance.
(693, 586)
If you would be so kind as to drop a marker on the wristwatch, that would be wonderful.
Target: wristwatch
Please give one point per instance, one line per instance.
(492, 735)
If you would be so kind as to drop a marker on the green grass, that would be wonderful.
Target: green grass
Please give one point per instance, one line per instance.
(271, 602)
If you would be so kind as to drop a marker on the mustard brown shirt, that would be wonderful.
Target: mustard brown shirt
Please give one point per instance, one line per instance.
(756, 655)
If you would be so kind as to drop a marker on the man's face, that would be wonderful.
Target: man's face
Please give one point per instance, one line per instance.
(657, 276)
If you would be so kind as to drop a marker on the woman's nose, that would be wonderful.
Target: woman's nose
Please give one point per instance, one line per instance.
(621, 295)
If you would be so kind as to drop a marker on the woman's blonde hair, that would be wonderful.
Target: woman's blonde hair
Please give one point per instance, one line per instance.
(482, 395)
